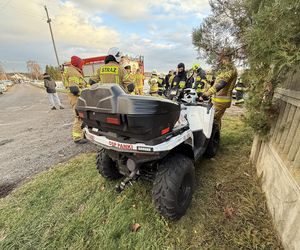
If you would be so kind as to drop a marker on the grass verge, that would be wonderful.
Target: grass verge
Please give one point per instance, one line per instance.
(70, 206)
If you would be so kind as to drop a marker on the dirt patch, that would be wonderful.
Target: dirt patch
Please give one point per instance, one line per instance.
(6, 188)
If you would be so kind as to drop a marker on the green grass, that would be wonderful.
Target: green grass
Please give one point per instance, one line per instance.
(71, 206)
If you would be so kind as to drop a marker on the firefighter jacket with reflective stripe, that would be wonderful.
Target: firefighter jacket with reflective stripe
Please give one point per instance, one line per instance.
(153, 83)
(222, 89)
(112, 72)
(201, 85)
(180, 80)
(171, 79)
(73, 77)
(161, 83)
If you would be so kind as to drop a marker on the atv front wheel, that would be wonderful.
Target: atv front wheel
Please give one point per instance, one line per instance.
(173, 186)
(214, 142)
(106, 166)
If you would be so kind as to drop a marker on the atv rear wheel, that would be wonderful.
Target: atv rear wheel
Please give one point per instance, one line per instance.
(106, 166)
(173, 186)
(214, 142)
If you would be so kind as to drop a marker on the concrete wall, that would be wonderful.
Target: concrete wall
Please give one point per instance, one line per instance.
(277, 160)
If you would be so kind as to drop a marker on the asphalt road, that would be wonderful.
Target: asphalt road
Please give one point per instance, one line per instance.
(32, 137)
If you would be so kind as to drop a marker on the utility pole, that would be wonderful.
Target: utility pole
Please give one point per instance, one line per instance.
(49, 22)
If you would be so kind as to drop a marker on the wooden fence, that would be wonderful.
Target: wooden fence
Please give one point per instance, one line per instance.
(277, 160)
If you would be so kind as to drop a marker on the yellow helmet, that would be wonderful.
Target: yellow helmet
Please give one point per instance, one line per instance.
(195, 66)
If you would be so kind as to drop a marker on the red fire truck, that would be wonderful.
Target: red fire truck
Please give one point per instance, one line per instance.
(92, 64)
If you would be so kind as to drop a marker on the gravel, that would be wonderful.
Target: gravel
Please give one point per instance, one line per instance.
(32, 137)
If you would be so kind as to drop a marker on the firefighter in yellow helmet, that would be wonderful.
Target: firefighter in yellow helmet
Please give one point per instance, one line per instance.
(221, 91)
(153, 83)
(113, 72)
(129, 77)
(201, 84)
(74, 83)
(139, 82)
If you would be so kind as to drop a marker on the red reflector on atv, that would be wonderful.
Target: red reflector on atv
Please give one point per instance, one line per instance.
(165, 131)
(81, 114)
(112, 120)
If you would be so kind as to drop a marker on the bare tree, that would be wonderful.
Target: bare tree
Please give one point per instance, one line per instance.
(34, 69)
(2, 73)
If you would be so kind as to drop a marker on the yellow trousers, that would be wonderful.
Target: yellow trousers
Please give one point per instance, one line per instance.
(77, 132)
(139, 90)
(220, 109)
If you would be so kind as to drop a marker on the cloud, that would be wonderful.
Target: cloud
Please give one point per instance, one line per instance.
(25, 33)
(138, 10)
(125, 9)
(161, 30)
(165, 54)
(74, 28)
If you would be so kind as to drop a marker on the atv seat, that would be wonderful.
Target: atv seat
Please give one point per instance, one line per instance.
(108, 108)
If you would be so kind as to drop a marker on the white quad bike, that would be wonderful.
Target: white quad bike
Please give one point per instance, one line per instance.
(155, 139)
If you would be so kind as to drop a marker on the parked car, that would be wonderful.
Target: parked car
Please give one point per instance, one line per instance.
(2, 88)
(8, 82)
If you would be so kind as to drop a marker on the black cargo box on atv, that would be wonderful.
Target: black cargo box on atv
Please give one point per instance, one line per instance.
(108, 108)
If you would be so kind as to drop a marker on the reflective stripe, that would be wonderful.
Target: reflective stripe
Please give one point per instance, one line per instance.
(213, 90)
(181, 84)
(222, 99)
(77, 135)
(239, 88)
(240, 101)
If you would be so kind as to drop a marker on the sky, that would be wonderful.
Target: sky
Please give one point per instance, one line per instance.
(160, 30)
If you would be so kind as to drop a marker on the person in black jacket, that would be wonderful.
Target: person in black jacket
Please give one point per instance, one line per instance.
(167, 78)
(181, 80)
(50, 86)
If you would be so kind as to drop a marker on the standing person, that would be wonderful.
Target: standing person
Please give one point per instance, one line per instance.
(180, 79)
(161, 84)
(129, 76)
(74, 82)
(153, 83)
(139, 82)
(167, 78)
(201, 83)
(240, 91)
(113, 72)
(50, 86)
(221, 91)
